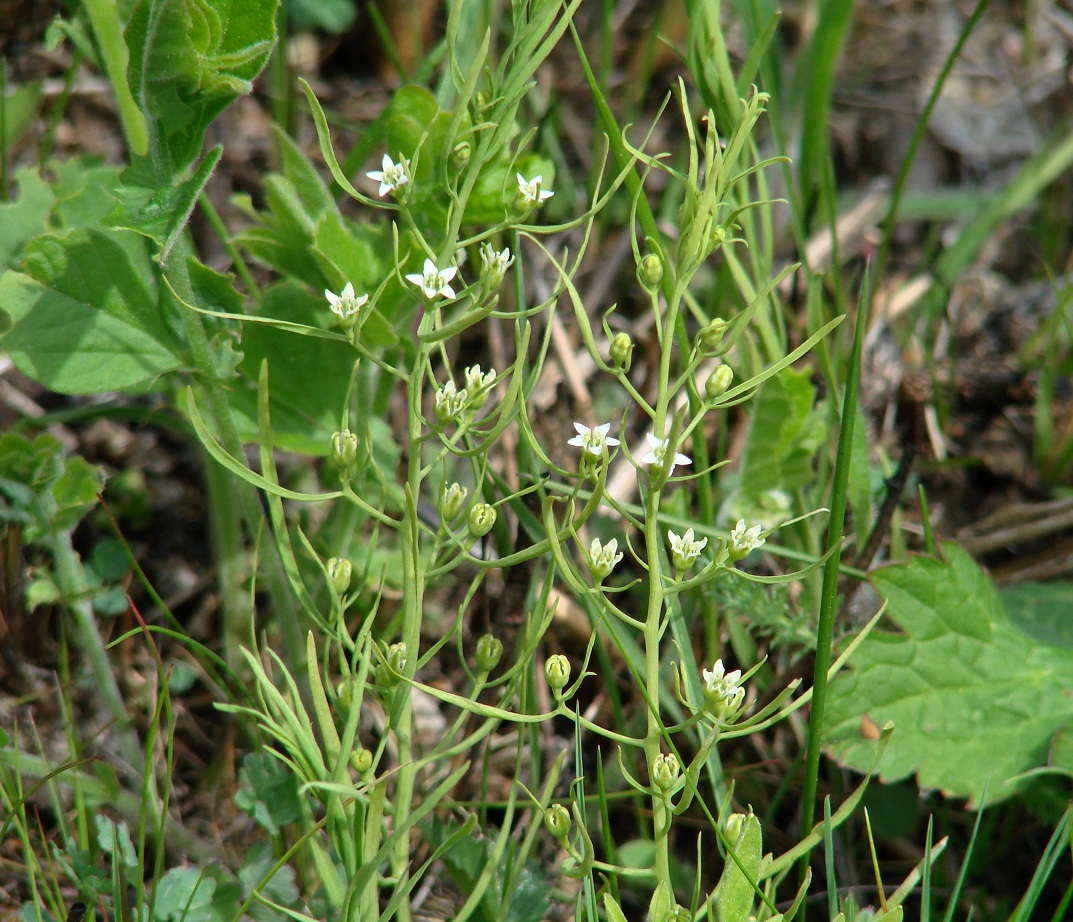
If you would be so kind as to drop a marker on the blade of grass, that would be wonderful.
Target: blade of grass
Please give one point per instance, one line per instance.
(829, 594)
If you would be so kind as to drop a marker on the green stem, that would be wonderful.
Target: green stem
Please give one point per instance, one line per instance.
(653, 631)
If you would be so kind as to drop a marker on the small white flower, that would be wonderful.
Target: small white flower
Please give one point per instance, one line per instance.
(494, 265)
(478, 384)
(450, 402)
(593, 441)
(345, 305)
(392, 177)
(656, 457)
(685, 549)
(723, 693)
(476, 381)
(603, 558)
(744, 540)
(434, 282)
(530, 190)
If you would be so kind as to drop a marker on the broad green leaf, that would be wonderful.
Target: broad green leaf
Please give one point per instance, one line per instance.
(24, 218)
(161, 213)
(20, 109)
(306, 407)
(1042, 610)
(976, 696)
(189, 59)
(185, 895)
(83, 320)
(785, 433)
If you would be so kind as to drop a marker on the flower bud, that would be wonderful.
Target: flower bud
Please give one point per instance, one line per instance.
(387, 673)
(622, 351)
(557, 821)
(718, 382)
(666, 772)
(481, 519)
(361, 760)
(489, 651)
(650, 272)
(557, 672)
(710, 338)
(494, 266)
(452, 501)
(478, 385)
(460, 155)
(340, 571)
(344, 694)
(450, 402)
(344, 449)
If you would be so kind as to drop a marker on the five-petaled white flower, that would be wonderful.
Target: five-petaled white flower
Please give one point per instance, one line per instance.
(744, 540)
(345, 305)
(593, 441)
(685, 549)
(602, 558)
(530, 190)
(722, 690)
(656, 457)
(434, 282)
(392, 177)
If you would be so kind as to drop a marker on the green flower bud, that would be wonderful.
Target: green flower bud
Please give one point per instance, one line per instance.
(489, 651)
(450, 402)
(387, 673)
(479, 385)
(460, 155)
(718, 382)
(666, 772)
(344, 449)
(734, 825)
(557, 821)
(452, 502)
(557, 672)
(345, 695)
(494, 266)
(650, 272)
(340, 571)
(622, 351)
(361, 760)
(710, 338)
(481, 519)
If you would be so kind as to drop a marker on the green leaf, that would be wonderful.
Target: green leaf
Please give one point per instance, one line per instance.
(83, 320)
(162, 212)
(306, 408)
(185, 895)
(784, 434)
(977, 697)
(189, 59)
(24, 218)
(20, 109)
(269, 793)
(333, 16)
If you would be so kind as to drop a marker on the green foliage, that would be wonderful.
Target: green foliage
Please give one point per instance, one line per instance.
(42, 490)
(82, 319)
(529, 899)
(977, 697)
(189, 60)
